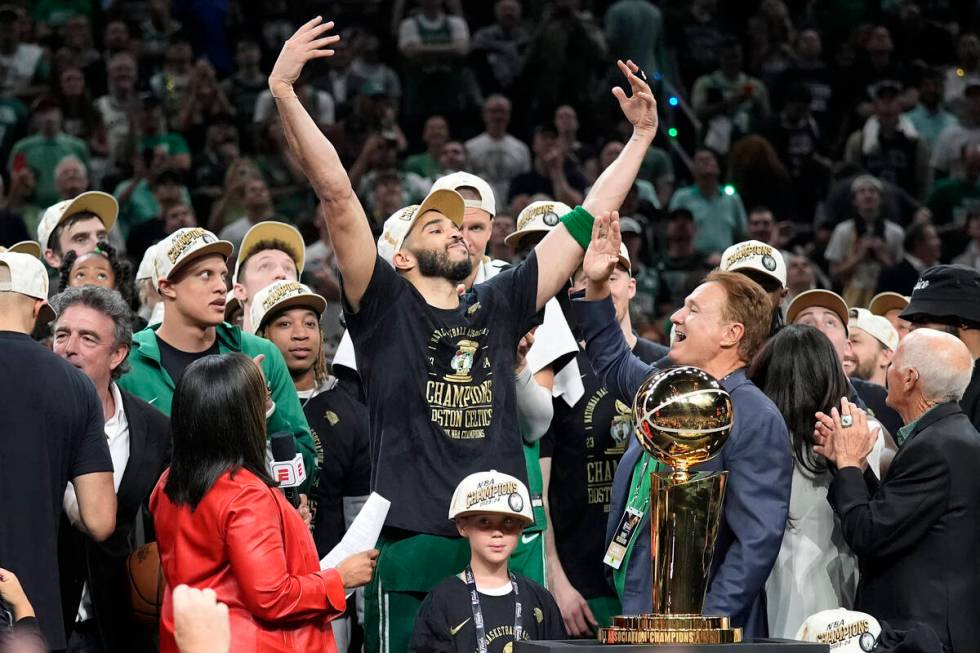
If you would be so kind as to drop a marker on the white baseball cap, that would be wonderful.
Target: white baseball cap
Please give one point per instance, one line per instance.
(145, 270)
(624, 258)
(27, 277)
(628, 225)
(101, 204)
(755, 255)
(281, 295)
(458, 180)
(537, 217)
(875, 326)
(492, 492)
(445, 201)
(24, 247)
(183, 246)
(844, 631)
(271, 230)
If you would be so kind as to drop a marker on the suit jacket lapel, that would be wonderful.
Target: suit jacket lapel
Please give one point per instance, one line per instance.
(130, 491)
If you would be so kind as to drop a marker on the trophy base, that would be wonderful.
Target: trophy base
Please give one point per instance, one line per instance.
(670, 629)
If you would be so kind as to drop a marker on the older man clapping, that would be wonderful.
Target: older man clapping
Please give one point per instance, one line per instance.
(918, 530)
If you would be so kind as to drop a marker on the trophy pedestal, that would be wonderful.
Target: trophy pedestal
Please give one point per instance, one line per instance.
(670, 629)
(592, 646)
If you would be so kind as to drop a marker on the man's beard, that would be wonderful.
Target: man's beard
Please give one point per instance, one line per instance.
(864, 371)
(437, 264)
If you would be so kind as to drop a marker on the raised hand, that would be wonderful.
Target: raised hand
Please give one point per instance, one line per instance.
(307, 43)
(603, 253)
(640, 108)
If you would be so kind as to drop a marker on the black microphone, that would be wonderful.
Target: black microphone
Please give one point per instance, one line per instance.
(287, 465)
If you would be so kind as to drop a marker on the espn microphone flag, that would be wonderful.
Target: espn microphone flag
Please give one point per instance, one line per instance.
(287, 465)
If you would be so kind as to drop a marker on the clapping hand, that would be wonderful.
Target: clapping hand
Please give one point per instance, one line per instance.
(843, 437)
(602, 255)
(640, 108)
(307, 43)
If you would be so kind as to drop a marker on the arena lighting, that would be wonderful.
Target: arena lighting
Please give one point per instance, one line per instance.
(672, 132)
(729, 189)
(673, 101)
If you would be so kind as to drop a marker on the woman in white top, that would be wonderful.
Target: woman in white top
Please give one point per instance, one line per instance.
(800, 371)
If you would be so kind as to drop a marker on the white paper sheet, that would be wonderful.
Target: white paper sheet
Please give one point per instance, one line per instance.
(363, 532)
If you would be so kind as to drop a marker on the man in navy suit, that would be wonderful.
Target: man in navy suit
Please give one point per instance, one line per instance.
(722, 324)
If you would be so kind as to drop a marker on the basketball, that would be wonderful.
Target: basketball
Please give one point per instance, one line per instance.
(146, 583)
(683, 416)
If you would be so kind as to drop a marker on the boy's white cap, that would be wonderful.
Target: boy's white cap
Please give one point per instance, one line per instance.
(537, 217)
(755, 255)
(844, 631)
(183, 246)
(448, 202)
(24, 247)
(27, 277)
(267, 231)
(101, 204)
(145, 270)
(875, 326)
(458, 180)
(492, 492)
(281, 295)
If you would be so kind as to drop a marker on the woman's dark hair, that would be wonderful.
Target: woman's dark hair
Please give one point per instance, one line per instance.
(800, 371)
(121, 268)
(217, 422)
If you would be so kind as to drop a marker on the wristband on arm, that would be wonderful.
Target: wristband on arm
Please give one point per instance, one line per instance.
(579, 225)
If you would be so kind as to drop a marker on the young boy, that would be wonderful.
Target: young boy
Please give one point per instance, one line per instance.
(486, 607)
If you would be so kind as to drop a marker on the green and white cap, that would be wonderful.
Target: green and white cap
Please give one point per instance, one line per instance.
(281, 295)
(184, 246)
(491, 492)
(537, 217)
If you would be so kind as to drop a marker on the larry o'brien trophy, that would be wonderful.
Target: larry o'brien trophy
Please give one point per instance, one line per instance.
(683, 417)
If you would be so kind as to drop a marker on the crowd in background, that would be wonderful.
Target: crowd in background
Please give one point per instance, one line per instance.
(844, 135)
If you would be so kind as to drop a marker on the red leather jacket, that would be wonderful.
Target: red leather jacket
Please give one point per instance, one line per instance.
(248, 544)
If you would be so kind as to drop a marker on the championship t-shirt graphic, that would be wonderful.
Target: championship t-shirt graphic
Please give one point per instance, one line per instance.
(459, 389)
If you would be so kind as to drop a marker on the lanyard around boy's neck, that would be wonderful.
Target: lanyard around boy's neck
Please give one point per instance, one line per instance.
(481, 635)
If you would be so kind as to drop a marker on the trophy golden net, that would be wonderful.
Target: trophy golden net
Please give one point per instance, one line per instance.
(683, 417)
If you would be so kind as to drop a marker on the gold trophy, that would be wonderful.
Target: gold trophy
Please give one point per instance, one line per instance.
(683, 417)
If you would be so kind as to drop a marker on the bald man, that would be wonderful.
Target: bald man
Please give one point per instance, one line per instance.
(917, 531)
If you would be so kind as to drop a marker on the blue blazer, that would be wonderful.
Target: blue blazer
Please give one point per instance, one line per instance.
(758, 457)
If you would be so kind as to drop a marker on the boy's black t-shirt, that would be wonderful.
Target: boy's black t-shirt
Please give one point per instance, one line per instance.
(445, 620)
(585, 443)
(339, 426)
(175, 361)
(440, 388)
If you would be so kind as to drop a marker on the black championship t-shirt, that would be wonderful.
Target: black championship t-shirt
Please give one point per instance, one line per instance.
(440, 390)
(53, 431)
(339, 425)
(585, 443)
(445, 621)
(175, 361)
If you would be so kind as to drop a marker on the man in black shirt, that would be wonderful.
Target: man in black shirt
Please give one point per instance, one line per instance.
(52, 434)
(585, 444)
(436, 367)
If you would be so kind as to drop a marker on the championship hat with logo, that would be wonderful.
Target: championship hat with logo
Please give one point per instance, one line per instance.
(875, 326)
(458, 180)
(281, 295)
(491, 492)
(184, 246)
(949, 294)
(27, 277)
(24, 247)
(817, 297)
(101, 204)
(883, 302)
(271, 231)
(536, 218)
(448, 202)
(843, 631)
(757, 256)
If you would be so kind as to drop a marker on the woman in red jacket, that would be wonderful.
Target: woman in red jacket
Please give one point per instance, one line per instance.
(221, 523)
